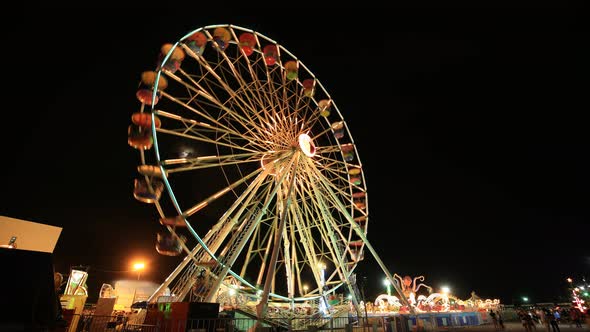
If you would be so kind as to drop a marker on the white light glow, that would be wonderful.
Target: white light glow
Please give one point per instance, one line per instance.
(306, 145)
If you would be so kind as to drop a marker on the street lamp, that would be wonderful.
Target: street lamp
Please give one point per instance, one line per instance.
(445, 290)
(388, 284)
(305, 288)
(322, 268)
(525, 299)
(139, 266)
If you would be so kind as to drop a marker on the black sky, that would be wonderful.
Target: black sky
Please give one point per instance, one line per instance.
(470, 123)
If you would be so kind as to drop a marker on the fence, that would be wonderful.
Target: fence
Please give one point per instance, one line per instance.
(395, 323)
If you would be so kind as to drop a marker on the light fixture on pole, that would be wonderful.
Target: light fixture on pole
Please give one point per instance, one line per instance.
(322, 268)
(388, 284)
(139, 266)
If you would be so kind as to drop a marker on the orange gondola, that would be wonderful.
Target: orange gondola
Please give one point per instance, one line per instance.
(359, 200)
(177, 53)
(291, 68)
(197, 42)
(324, 106)
(222, 37)
(338, 128)
(355, 175)
(177, 221)
(175, 60)
(145, 96)
(361, 221)
(355, 244)
(144, 119)
(148, 78)
(150, 170)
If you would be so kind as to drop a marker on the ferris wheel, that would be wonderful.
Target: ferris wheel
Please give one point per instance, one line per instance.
(252, 169)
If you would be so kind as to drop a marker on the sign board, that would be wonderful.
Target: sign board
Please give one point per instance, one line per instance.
(29, 235)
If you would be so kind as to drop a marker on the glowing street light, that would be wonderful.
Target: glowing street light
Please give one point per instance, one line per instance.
(305, 288)
(138, 266)
(322, 268)
(445, 290)
(525, 299)
(388, 284)
(569, 280)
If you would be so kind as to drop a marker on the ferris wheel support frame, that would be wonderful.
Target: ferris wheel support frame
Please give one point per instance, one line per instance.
(262, 306)
(362, 235)
(207, 255)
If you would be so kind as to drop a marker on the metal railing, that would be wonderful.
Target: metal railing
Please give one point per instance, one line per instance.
(393, 323)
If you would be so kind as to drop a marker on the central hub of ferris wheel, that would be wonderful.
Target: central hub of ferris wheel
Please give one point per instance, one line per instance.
(306, 145)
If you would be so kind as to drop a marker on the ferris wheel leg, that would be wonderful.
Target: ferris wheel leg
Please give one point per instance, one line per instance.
(386, 271)
(262, 306)
(363, 237)
(173, 275)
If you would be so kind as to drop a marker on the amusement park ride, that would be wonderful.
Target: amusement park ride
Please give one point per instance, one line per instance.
(255, 176)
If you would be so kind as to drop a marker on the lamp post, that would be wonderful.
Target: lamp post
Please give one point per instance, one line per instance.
(139, 266)
(322, 268)
(388, 285)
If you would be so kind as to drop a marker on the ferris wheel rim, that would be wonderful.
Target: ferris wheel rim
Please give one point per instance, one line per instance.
(160, 161)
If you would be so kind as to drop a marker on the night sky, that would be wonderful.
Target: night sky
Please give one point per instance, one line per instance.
(470, 123)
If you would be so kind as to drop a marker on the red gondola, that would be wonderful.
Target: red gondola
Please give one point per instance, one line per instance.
(247, 43)
(308, 87)
(271, 54)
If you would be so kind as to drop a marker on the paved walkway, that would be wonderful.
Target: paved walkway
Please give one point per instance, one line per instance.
(517, 327)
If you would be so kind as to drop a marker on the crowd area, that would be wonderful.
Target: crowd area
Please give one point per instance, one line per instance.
(543, 318)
